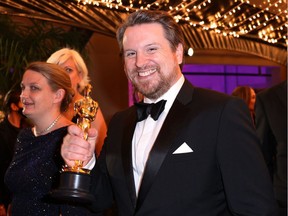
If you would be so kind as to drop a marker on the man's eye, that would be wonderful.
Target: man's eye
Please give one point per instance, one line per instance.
(152, 49)
(130, 54)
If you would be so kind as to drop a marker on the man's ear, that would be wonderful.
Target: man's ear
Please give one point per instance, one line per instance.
(14, 107)
(59, 95)
(179, 53)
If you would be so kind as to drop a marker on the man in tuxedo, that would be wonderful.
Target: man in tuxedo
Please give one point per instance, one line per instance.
(271, 125)
(194, 152)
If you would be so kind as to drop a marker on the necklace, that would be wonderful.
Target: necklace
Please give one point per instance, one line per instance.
(48, 128)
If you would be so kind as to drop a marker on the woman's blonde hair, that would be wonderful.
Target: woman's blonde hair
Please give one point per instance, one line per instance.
(61, 56)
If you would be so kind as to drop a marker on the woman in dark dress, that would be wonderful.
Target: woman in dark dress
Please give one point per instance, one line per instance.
(34, 170)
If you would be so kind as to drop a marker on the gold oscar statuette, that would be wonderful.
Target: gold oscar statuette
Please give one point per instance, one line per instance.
(75, 181)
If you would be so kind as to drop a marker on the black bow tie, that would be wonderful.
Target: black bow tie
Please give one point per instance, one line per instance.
(154, 109)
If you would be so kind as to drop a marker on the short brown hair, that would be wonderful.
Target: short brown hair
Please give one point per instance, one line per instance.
(12, 96)
(173, 32)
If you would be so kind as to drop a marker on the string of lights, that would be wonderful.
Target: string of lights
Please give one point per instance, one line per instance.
(266, 20)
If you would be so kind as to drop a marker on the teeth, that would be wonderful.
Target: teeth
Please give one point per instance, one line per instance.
(147, 73)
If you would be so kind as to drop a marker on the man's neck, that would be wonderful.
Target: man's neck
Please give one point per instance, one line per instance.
(15, 119)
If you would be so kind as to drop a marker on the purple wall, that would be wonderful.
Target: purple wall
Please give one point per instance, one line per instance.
(224, 78)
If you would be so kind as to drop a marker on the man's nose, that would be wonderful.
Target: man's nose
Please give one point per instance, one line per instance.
(140, 59)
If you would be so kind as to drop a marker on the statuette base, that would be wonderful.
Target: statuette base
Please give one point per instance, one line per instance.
(74, 187)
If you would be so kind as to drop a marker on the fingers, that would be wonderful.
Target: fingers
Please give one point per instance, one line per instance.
(92, 137)
(75, 130)
(75, 147)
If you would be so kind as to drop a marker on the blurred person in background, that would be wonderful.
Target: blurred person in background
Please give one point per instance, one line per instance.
(271, 126)
(13, 122)
(249, 96)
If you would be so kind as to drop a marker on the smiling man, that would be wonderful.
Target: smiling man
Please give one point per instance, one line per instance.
(190, 151)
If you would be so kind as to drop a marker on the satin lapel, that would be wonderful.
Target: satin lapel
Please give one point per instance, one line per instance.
(173, 123)
(127, 155)
(282, 94)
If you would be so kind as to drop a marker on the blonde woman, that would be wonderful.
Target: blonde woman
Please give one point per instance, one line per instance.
(76, 68)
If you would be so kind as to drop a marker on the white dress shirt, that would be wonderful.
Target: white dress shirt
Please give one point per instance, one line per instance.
(147, 131)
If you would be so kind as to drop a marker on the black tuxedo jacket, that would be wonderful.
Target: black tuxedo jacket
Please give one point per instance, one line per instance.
(224, 175)
(271, 125)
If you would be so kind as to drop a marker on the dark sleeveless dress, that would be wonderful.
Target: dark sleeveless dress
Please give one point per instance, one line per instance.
(34, 172)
